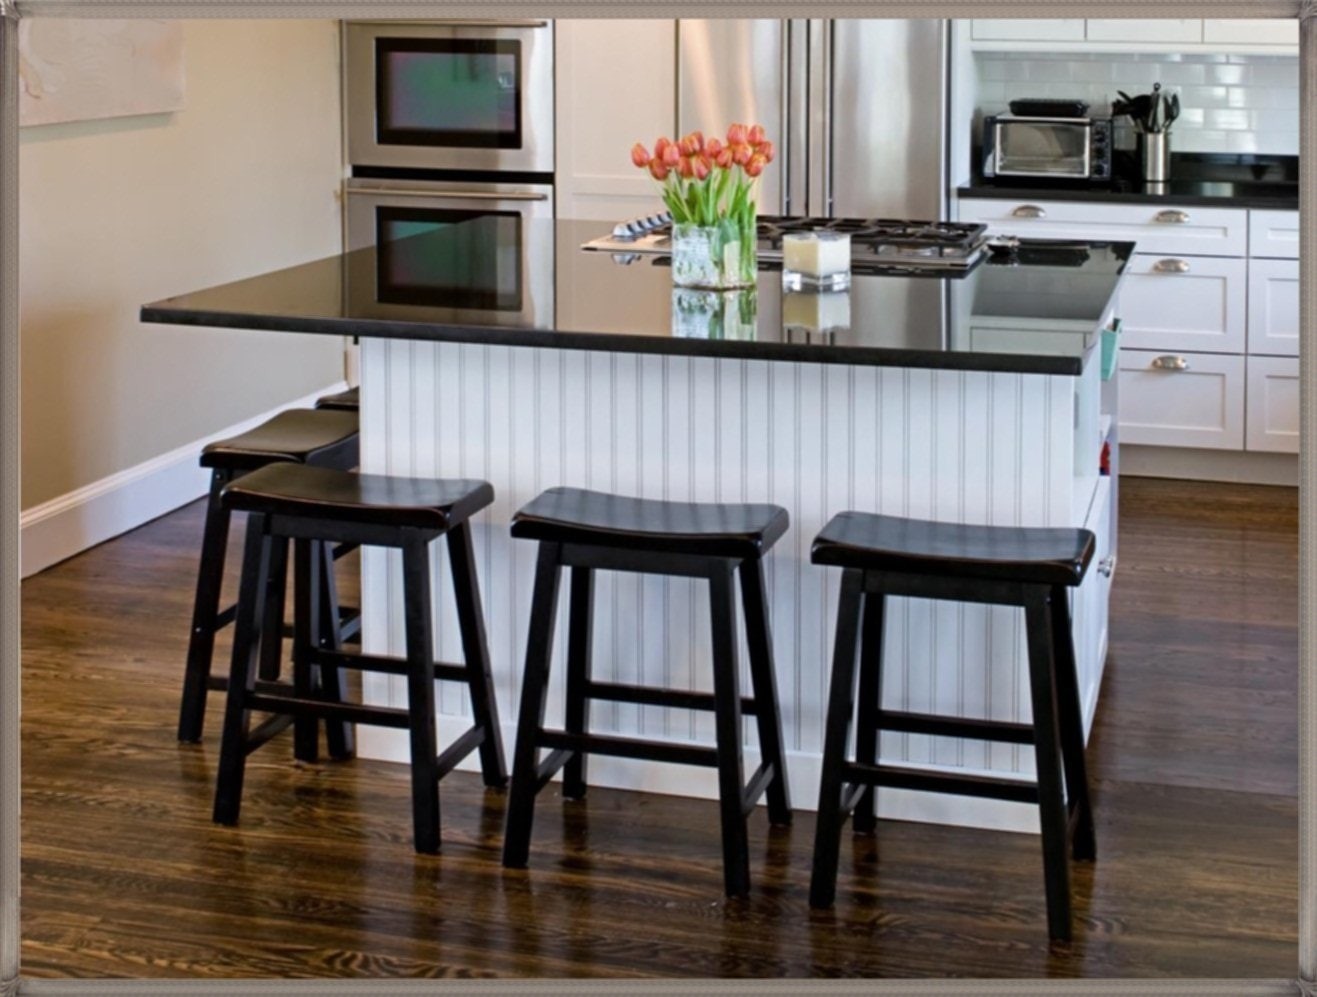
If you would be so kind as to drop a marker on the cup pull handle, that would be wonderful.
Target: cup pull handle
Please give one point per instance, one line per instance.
(1171, 266)
(1029, 211)
(1172, 216)
(1171, 363)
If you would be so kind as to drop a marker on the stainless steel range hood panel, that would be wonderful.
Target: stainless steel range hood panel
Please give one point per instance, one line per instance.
(733, 70)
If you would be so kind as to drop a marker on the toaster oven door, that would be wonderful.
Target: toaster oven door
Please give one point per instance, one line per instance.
(1042, 147)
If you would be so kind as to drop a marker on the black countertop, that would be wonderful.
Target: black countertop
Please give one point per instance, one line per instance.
(1038, 313)
(1199, 179)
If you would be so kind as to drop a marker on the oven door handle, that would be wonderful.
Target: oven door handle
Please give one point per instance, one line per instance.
(451, 195)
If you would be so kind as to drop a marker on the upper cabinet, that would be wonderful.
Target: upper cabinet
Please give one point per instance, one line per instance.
(616, 85)
(1139, 34)
(1031, 30)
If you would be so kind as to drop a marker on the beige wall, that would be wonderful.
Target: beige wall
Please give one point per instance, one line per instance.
(120, 212)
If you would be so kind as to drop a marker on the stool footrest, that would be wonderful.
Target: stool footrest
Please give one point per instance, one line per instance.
(459, 749)
(630, 747)
(354, 712)
(978, 730)
(226, 616)
(941, 782)
(649, 696)
(390, 666)
(756, 786)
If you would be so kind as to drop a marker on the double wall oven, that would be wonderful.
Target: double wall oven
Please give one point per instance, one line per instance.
(450, 123)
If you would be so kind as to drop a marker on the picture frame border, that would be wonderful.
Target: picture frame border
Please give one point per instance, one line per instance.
(11, 11)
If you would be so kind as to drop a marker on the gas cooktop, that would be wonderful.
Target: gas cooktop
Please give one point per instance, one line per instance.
(876, 243)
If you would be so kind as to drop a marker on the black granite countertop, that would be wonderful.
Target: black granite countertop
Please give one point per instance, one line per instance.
(1205, 180)
(1039, 312)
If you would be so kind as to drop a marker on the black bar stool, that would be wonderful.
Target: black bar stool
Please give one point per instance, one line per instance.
(1027, 567)
(319, 505)
(297, 436)
(343, 401)
(586, 531)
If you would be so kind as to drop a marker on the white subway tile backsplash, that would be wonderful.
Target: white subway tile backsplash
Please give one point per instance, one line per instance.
(1230, 102)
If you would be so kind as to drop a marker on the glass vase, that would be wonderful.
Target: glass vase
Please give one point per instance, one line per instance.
(716, 257)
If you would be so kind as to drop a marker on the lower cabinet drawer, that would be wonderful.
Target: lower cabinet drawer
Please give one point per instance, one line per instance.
(1182, 399)
(1273, 404)
(1185, 303)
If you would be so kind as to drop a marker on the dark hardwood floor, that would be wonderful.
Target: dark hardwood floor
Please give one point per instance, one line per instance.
(1194, 761)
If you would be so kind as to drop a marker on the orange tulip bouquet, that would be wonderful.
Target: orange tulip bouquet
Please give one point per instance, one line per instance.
(708, 188)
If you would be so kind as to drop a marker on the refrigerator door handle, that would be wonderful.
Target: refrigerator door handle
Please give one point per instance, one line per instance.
(825, 152)
(784, 123)
(796, 104)
(819, 74)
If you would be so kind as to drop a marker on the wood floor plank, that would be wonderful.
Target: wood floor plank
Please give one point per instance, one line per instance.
(1193, 759)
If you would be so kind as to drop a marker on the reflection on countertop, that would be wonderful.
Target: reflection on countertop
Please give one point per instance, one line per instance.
(1036, 311)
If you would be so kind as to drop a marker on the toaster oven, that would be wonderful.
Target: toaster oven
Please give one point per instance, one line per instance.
(1051, 147)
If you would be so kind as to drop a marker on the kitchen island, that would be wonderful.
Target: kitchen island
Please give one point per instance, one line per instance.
(515, 356)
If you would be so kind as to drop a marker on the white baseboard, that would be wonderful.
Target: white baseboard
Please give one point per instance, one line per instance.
(69, 524)
(1245, 467)
(803, 770)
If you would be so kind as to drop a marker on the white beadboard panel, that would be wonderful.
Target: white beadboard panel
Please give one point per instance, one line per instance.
(814, 438)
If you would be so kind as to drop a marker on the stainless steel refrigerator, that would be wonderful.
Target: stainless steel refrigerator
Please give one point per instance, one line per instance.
(856, 108)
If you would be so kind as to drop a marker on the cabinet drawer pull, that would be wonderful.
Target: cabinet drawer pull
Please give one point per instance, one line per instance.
(1172, 216)
(1106, 566)
(1171, 266)
(1029, 211)
(1171, 363)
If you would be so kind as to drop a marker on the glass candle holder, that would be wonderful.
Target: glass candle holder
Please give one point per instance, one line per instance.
(819, 259)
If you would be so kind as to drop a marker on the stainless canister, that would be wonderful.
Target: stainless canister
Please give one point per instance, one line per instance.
(1155, 150)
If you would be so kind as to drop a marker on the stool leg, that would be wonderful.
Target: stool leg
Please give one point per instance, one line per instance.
(727, 725)
(338, 733)
(272, 643)
(865, 818)
(579, 629)
(205, 608)
(841, 704)
(242, 671)
(539, 648)
(475, 652)
(306, 630)
(417, 610)
(1051, 804)
(1070, 719)
(768, 713)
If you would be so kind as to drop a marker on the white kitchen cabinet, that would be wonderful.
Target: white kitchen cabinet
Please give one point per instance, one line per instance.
(1273, 307)
(1182, 399)
(1192, 35)
(1273, 404)
(1028, 29)
(1171, 231)
(1144, 30)
(615, 86)
(1185, 303)
(1233, 31)
(1273, 234)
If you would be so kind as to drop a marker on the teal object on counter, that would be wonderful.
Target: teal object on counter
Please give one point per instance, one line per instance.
(1110, 349)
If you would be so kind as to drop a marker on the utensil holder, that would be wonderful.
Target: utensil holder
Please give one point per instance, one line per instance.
(1155, 152)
